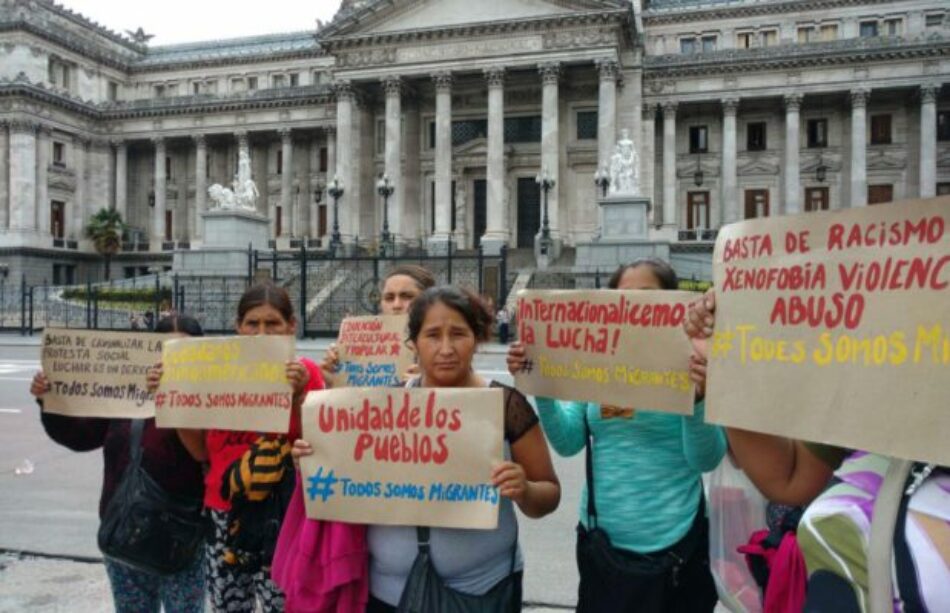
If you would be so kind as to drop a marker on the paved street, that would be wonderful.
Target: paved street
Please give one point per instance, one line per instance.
(51, 507)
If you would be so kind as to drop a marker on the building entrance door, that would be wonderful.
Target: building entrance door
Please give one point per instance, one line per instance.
(529, 212)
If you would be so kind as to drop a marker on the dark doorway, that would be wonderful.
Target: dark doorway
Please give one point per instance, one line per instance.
(879, 194)
(529, 211)
(756, 203)
(480, 221)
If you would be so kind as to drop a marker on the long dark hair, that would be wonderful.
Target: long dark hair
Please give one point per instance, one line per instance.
(661, 269)
(185, 324)
(467, 304)
(266, 293)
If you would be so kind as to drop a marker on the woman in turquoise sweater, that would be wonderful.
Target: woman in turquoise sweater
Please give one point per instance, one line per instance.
(651, 552)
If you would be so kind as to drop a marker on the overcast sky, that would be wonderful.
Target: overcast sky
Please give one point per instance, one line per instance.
(182, 21)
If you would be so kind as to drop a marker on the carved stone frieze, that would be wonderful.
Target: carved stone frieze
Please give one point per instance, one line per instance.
(578, 38)
(766, 163)
(886, 158)
(367, 57)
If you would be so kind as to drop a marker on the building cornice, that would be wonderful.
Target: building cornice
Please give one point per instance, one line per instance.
(836, 53)
(214, 62)
(673, 15)
(536, 24)
(69, 42)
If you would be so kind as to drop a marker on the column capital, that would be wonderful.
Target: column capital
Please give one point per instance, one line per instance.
(608, 68)
(117, 143)
(343, 89)
(859, 97)
(495, 76)
(669, 107)
(329, 130)
(442, 80)
(23, 126)
(649, 110)
(550, 72)
(730, 106)
(43, 130)
(158, 141)
(928, 93)
(285, 135)
(393, 85)
(793, 102)
(200, 139)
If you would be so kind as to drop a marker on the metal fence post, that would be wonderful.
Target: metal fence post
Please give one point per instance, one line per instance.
(88, 304)
(156, 300)
(303, 289)
(250, 262)
(23, 305)
(274, 272)
(503, 273)
(597, 279)
(449, 260)
(175, 289)
(481, 265)
(30, 329)
(95, 308)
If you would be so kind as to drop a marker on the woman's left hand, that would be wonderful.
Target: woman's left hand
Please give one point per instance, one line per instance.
(298, 376)
(697, 366)
(511, 481)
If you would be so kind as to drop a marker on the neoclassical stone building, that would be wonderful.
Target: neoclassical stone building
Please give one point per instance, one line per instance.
(738, 108)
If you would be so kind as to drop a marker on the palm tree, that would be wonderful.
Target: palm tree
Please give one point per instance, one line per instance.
(105, 230)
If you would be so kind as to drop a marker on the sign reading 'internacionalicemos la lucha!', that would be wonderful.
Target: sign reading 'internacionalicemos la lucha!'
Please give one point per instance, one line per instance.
(835, 328)
(618, 348)
(99, 374)
(235, 383)
(409, 456)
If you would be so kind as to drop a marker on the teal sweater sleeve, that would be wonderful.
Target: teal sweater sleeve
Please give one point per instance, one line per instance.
(563, 424)
(704, 444)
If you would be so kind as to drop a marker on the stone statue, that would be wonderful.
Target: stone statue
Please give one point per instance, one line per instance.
(625, 167)
(243, 194)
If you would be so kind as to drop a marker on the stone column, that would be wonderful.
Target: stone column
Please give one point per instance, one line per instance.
(286, 182)
(647, 151)
(496, 216)
(4, 176)
(793, 190)
(201, 184)
(730, 195)
(313, 176)
(78, 214)
(158, 214)
(443, 157)
(121, 179)
(349, 206)
(606, 111)
(669, 164)
(22, 188)
(42, 180)
(393, 86)
(413, 202)
(928, 140)
(331, 172)
(859, 139)
(550, 140)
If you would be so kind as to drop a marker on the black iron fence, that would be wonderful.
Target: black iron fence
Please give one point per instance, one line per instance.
(323, 288)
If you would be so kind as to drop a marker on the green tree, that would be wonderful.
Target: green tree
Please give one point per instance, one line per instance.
(105, 230)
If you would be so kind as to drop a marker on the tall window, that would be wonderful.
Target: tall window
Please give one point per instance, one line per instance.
(709, 44)
(324, 159)
(933, 20)
(112, 93)
(280, 162)
(294, 79)
(806, 34)
(829, 32)
(755, 136)
(168, 168)
(277, 81)
(59, 154)
(745, 40)
(769, 38)
(159, 91)
(943, 125)
(195, 87)
(868, 29)
(687, 46)
(893, 27)
(817, 133)
(251, 83)
(586, 125)
(698, 139)
(880, 129)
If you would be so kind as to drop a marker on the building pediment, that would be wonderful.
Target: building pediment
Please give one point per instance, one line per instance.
(374, 17)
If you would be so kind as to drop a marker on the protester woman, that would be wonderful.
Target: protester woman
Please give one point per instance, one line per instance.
(445, 327)
(249, 478)
(647, 491)
(166, 460)
(840, 488)
(401, 285)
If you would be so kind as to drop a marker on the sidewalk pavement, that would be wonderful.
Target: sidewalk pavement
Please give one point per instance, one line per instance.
(51, 585)
(306, 345)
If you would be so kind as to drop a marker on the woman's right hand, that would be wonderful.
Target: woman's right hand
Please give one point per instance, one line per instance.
(517, 356)
(300, 449)
(331, 361)
(153, 377)
(701, 317)
(40, 384)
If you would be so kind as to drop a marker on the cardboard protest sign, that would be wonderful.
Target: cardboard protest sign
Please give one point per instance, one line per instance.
(835, 327)
(618, 348)
(233, 383)
(405, 456)
(372, 351)
(99, 374)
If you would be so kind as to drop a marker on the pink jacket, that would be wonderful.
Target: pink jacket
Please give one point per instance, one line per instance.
(321, 566)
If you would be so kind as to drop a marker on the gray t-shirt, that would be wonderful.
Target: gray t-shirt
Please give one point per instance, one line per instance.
(470, 561)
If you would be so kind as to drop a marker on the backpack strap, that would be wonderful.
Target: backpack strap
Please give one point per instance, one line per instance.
(422, 538)
(135, 442)
(881, 542)
(589, 468)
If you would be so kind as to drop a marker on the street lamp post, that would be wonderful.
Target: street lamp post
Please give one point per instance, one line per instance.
(385, 189)
(602, 180)
(336, 192)
(546, 182)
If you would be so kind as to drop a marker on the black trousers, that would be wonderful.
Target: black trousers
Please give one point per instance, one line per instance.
(686, 588)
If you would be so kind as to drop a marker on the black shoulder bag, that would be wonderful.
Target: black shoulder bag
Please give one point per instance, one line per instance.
(426, 592)
(146, 527)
